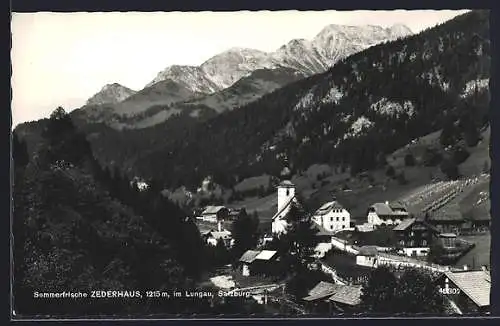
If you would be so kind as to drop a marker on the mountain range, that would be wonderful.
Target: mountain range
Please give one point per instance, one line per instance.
(210, 83)
(351, 115)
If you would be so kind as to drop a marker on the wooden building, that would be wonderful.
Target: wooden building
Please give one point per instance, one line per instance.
(415, 236)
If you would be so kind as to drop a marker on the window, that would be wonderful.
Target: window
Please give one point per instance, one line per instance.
(337, 218)
(288, 192)
(424, 242)
(343, 226)
(343, 218)
(331, 219)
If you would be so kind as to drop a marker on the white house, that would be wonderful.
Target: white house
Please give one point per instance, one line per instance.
(212, 237)
(386, 213)
(332, 216)
(286, 196)
(367, 256)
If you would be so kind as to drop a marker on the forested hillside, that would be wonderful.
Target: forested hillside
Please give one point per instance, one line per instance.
(79, 227)
(363, 108)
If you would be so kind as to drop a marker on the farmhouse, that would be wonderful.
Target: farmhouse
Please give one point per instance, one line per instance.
(468, 290)
(450, 221)
(258, 262)
(214, 214)
(414, 236)
(212, 237)
(386, 213)
(332, 216)
(286, 196)
(329, 297)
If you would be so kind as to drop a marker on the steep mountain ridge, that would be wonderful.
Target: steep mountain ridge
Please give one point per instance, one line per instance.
(218, 74)
(111, 94)
(307, 57)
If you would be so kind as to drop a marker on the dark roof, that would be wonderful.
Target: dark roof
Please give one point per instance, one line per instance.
(404, 224)
(383, 209)
(474, 284)
(327, 207)
(249, 256)
(397, 205)
(452, 215)
(286, 184)
(368, 251)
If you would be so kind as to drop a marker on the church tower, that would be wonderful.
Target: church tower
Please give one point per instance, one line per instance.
(286, 190)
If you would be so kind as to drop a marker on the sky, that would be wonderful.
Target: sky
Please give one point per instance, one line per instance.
(62, 59)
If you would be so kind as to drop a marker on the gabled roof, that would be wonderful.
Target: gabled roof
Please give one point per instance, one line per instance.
(320, 291)
(220, 234)
(396, 205)
(384, 209)
(368, 251)
(347, 294)
(404, 224)
(327, 207)
(474, 284)
(249, 256)
(265, 255)
(212, 209)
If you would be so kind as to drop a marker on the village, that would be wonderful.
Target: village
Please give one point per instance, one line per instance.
(421, 230)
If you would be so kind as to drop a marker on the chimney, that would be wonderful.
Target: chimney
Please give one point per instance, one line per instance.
(484, 268)
(387, 202)
(466, 267)
(219, 225)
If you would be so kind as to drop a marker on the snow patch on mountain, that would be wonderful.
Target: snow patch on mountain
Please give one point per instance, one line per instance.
(393, 109)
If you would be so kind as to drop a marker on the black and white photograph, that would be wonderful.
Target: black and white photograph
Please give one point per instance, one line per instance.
(250, 164)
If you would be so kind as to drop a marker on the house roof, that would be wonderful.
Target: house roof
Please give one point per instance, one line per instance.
(265, 255)
(249, 256)
(368, 251)
(212, 209)
(447, 235)
(347, 294)
(320, 291)
(220, 234)
(474, 284)
(397, 205)
(286, 184)
(327, 207)
(404, 224)
(450, 213)
(384, 209)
